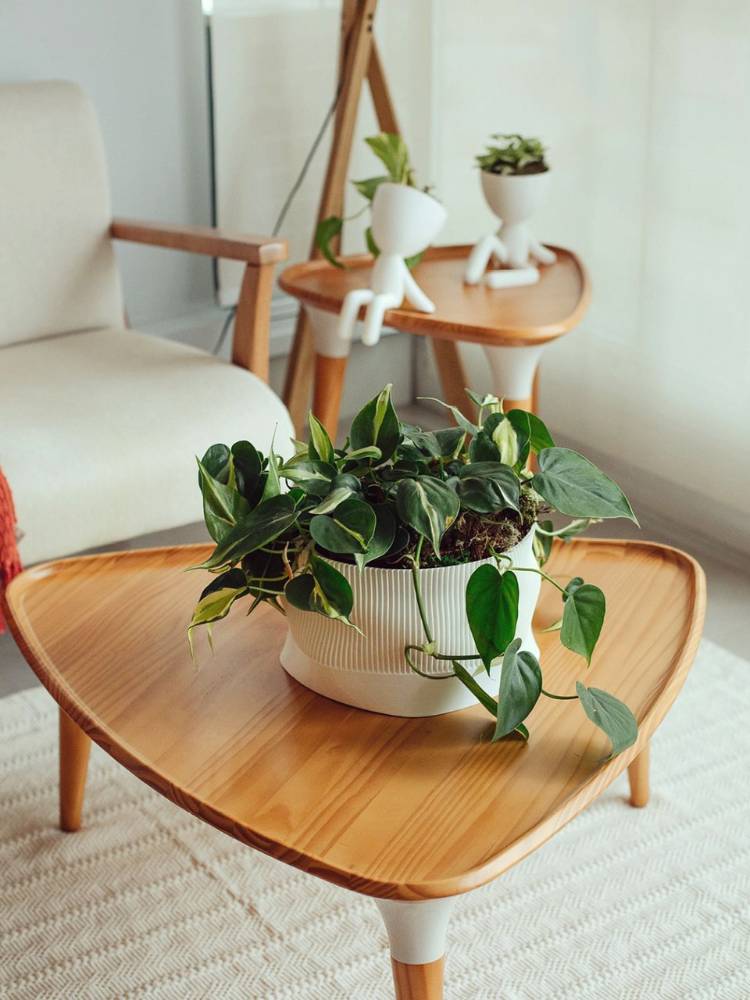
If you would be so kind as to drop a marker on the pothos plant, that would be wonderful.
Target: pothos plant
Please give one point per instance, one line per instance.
(397, 496)
(513, 154)
(392, 152)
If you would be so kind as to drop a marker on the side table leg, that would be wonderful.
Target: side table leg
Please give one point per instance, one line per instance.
(513, 372)
(416, 933)
(75, 747)
(638, 773)
(331, 359)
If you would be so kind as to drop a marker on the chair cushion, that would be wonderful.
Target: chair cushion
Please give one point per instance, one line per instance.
(99, 433)
(57, 264)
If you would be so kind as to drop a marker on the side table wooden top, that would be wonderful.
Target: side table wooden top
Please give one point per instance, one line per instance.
(397, 808)
(534, 314)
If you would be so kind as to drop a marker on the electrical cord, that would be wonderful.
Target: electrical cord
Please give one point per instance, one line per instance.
(289, 199)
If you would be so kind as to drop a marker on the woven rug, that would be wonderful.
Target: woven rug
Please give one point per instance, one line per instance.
(149, 902)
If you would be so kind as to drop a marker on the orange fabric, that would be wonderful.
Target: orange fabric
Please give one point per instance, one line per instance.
(10, 562)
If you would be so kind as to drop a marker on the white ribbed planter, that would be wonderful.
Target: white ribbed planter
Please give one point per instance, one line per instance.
(369, 671)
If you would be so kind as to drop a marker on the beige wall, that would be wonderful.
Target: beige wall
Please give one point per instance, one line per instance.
(644, 106)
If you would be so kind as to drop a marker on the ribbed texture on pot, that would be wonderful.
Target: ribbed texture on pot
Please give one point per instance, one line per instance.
(386, 611)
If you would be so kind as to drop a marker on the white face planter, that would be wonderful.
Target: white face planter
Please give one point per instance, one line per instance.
(513, 198)
(369, 671)
(404, 223)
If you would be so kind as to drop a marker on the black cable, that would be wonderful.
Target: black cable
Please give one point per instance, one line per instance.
(289, 199)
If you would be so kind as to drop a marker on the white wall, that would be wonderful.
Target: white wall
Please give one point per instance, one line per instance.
(142, 63)
(644, 106)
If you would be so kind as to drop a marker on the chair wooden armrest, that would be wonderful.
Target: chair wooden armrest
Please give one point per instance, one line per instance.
(260, 254)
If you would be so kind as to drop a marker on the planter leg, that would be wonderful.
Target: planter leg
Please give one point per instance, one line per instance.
(75, 747)
(513, 370)
(638, 773)
(331, 359)
(416, 933)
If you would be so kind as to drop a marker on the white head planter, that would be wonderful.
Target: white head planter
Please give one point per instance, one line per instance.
(513, 198)
(404, 223)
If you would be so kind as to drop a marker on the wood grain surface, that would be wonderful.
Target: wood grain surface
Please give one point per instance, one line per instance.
(397, 808)
(529, 315)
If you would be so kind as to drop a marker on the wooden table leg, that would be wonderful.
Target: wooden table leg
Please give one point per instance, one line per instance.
(329, 387)
(638, 773)
(418, 982)
(75, 747)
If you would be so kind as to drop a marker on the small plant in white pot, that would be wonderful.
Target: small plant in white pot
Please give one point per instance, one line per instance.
(515, 177)
(407, 561)
(405, 220)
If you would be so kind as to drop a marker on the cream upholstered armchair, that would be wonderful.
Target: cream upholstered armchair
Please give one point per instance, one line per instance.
(99, 423)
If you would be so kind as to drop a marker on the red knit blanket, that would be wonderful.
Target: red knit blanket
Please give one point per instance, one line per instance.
(10, 562)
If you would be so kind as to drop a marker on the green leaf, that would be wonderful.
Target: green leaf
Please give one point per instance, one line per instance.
(215, 605)
(483, 449)
(583, 617)
(463, 422)
(364, 454)
(370, 242)
(383, 536)
(520, 687)
(492, 610)
(331, 502)
(575, 486)
(450, 441)
(542, 544)
(311, 476)
(272, 485)
(488, 486)
(217, 462)
(269, 520)
(392, 151)
(233, 579)
(369, 186)
(532, 428)
(427, 505)
(332, 595)
(223, 506)
(349, 529)
(299, 591)
(610, 714)
(264, 571)
(320, 446)
(328, 229)
(377, 424)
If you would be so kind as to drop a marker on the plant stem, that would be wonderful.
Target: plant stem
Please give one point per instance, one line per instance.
(540, 572)
(560, 697)
(422, 673)
(479, 693)
(418, 589)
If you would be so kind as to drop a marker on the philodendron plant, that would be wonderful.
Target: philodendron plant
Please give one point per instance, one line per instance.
(513, 154)
(392, 152)
(397, 496)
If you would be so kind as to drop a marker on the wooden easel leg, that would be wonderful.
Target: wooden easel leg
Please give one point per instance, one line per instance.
(638, 775)
(75, 747)
(355, 49)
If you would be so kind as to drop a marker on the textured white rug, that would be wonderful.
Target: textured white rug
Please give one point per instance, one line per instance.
(148, 902)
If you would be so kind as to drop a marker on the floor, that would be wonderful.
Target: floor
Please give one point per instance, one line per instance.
(727, 620)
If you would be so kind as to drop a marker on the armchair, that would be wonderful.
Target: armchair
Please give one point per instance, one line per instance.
(97, 421)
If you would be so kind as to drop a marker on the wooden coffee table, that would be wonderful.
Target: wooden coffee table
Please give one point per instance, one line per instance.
(409, 811)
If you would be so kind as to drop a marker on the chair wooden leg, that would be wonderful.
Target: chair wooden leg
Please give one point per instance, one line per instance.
(329, 387)
(638, 773)
(75, 747)
(418, 982)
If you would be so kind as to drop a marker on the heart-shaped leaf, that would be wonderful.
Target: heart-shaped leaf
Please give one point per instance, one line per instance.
(488, 486)
(331, 502)
(214, 605)
(269, 520)
(328, 230)
(575, 486)
(223, 506)
(427, 505)
(299, 591)
(463, 422)
(383, 536)
(247, 462)
(533, 430)
(319, 447)
(492, 610)
(611, 715)
(311, 476)
(348, 529)
(332, 595)
(216, 462)
(377, 424)
(520, 687)
(369, 186)
(583, 616)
